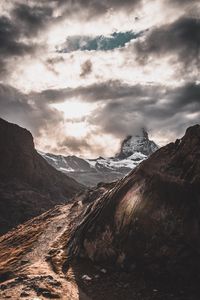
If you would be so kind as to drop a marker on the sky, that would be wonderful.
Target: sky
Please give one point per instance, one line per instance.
(81, 75)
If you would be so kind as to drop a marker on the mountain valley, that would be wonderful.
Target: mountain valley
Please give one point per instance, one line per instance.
(134, 149)
(137, 238)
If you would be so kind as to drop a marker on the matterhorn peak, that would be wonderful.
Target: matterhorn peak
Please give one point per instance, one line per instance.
(134, 149)
(137, 143)
(145, 133)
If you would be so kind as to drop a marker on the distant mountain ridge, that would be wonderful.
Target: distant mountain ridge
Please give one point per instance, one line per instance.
(28, 184)
(134, 149)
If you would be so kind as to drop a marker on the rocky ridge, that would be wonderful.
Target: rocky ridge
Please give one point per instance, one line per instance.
(134, 150)
(154, 208)
(28, 184)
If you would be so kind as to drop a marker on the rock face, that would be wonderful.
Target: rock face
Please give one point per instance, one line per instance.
(150, 216)
(28, 184)
(139, 143)
(134, 150)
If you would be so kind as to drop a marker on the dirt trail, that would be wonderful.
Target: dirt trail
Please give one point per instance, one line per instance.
(33, 277)
(53, 231)
(30, 255)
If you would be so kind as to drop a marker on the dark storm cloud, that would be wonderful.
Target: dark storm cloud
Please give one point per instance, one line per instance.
(24, 22)
(19, 108)
(181, 38)
(98, 43)
(10, 44)
(94, 8)
(159, 109)
(32, 19)
(124, 108)
(27, 19)
(86, 68)
(18, 30)
(109, 90)
(182, 2)
(74, 145)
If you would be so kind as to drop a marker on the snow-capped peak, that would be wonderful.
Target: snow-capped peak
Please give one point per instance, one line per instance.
(137, 143)
(134, 150)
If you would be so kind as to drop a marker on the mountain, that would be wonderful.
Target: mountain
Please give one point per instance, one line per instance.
(134, 150)
(138, 238)
(155, 208)
(139, 143)
(28, 184)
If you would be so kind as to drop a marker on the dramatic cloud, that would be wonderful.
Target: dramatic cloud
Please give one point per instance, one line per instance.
(32, 114)
(123, 110)
(182, 2)
(17, 32)
(181, 39)
(104, 91)
(32, 19)
(10, 43)
(167, 108)
(74, 145)
(94, 8)
(81, 75)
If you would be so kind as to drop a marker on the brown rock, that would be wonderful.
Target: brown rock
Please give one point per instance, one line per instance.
(151, 217)
(28, 184)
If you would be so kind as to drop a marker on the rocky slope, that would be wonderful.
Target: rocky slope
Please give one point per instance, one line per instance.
(134, 239)
(152, 215)
(28, 184)
(134, 150)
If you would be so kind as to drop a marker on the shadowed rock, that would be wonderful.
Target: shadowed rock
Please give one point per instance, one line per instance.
(28, 184)
(149, 217)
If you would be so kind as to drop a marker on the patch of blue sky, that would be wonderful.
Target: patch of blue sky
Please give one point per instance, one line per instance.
(98, 43)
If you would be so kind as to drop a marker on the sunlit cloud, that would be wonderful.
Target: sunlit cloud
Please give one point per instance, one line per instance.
(74, 109)
(82, 74)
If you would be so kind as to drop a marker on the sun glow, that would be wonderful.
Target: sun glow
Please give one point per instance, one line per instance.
(77, 130)
(75, 109)
(75, 117)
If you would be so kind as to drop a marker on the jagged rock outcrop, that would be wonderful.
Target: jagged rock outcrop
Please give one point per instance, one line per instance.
(28, 184)
(138, 143)
(150, 216)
